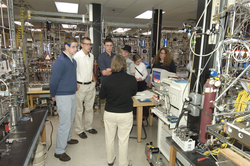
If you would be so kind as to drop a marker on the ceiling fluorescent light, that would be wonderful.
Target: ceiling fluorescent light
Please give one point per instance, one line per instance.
(69, 26)
(17, 22)
(3, 5)
(67, 7)
(35, 30)
(121, 30)
(26, 23)
(147, 15)
(146, 33)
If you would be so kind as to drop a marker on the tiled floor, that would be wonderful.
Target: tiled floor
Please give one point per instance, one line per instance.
(91, 151)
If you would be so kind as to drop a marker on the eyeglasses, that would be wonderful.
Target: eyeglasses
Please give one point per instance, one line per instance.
(162, 53)
(88, 44)
(108, 45)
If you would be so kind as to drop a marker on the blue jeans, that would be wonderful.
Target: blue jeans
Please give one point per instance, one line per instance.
(66, 108)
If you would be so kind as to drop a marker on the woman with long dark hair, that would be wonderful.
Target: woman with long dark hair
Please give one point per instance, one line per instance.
(163, 60)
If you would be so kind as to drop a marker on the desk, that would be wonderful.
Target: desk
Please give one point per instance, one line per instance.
(21, 153)
(139, 114)
(34, 94)
(186, 158)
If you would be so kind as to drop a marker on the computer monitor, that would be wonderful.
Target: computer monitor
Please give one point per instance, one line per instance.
(158, 74)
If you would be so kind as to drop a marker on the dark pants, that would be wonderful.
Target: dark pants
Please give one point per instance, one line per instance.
(141, 86)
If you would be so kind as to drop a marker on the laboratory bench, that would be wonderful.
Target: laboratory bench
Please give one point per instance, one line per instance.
(38, 94)
(186, 158)
(27, 132)
(139, 114)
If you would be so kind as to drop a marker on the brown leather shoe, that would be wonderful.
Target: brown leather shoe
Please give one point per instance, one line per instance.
(62, 157)
(73, 141)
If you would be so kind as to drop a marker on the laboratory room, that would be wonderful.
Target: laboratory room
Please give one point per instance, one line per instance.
(125, 83)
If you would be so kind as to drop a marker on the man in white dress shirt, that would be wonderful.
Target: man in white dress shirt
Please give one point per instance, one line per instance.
(85, 89)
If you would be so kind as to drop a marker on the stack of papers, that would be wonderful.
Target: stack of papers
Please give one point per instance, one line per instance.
(144, 95)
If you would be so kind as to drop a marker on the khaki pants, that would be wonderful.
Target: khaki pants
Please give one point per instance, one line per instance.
(86, 94)
(103, 103)
(122, 123)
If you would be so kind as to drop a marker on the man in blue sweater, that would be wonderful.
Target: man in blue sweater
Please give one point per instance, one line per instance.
(62, 89)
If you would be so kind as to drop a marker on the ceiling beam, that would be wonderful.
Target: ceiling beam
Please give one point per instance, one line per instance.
(80, 22)
(61, 14)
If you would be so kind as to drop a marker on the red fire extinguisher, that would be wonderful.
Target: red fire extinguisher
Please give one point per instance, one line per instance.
(209, 96)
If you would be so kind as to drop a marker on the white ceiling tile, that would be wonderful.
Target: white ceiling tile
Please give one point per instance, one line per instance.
(83, 3)
(126, 10)
(119, 3)
(69, 1)
(103, 2)
(45, 5)
(185, 17)
(120, 19)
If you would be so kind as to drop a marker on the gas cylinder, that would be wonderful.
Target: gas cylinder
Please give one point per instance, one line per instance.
(209, 96)
(96, 71)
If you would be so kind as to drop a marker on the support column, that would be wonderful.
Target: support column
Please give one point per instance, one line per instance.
(156, 32)
(202, 47)
(95, 15)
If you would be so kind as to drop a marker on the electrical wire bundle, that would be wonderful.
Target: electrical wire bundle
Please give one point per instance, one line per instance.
(50, 134)
(216, 151)
(241, 100)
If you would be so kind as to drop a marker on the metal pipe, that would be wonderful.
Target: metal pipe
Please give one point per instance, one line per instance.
(4, 42)
(79, 22)
(151, 42)
(127, 25)
(228, 60)
(12, 25)
(56, 20)
(56, 14)
(219, 51)
(220, 36)
(201, 48)
(240, 112)
(4, 27)
(157, 30)
(233, 21)
(8, 13)
(232, 83)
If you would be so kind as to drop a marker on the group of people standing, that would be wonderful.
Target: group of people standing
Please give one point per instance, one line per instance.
(73, 83)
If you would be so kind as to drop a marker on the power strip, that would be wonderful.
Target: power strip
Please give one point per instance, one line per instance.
(188, 145)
